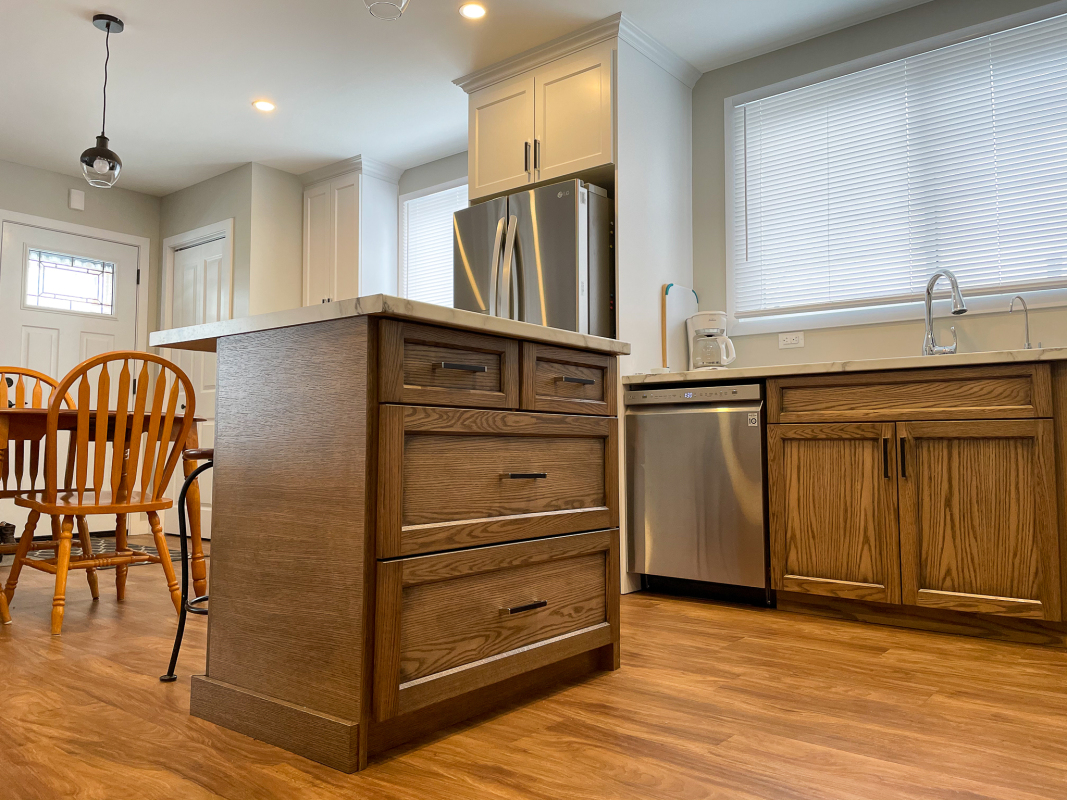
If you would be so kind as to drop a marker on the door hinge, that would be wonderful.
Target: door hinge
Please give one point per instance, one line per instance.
(138, 277)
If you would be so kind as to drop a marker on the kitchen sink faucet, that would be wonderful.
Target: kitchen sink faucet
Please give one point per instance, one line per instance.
(1026, 317)
(930, 345)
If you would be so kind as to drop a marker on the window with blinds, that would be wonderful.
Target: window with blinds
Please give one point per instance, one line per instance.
(426, 245)
(850, 193)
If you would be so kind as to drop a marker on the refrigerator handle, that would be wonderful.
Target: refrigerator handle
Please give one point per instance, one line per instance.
(494, 268)
(504, 297)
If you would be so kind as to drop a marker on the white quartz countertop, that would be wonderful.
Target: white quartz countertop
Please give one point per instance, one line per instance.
(859, 365)
(203, 337)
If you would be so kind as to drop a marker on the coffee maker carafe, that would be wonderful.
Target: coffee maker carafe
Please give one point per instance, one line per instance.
(709, 346)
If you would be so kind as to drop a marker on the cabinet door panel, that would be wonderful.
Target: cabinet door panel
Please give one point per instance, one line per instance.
(318, 244)
(978, 517)
(501, 130)
(573, 113)
(833, 510)
(344, 192)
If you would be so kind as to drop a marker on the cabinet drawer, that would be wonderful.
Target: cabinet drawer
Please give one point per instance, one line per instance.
(1008, 392)
(452, 478)
(567, 381)
(438, 366)
(453, 622)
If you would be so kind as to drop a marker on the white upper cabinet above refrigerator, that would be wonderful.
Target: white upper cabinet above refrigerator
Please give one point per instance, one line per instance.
(501, 125)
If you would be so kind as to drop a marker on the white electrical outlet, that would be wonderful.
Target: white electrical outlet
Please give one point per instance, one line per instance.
(789, 340)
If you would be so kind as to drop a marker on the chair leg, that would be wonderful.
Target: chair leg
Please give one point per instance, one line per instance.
(20, 554)
(164, 559)
(5, 614)
(121, 549)
(87, 552)
(198, 564)
(59, 600)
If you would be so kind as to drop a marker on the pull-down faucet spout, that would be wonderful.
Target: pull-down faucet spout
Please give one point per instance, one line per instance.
(930, 345)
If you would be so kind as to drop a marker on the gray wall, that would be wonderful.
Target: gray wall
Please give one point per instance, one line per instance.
(276, 262)
(977, 332)
(28, 190)
(436, 172)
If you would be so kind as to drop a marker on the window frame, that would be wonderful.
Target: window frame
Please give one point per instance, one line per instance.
(401, 249)
(25, 306)
(977, 302)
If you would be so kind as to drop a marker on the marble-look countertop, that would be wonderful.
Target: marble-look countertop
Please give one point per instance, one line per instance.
(859, 365)
(203, 337)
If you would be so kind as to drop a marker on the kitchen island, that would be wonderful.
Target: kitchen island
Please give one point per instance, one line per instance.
(927, 491)
(415, 520)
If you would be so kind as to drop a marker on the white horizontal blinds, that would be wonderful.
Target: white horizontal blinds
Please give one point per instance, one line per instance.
(426, 249)
(851, 192)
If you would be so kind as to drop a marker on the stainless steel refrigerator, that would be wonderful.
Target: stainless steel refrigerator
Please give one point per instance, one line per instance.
(545, 255)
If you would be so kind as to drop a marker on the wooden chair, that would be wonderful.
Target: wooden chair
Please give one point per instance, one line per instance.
(144, 438)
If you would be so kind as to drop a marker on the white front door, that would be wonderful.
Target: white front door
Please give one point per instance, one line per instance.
(64, 298)
(201, 291)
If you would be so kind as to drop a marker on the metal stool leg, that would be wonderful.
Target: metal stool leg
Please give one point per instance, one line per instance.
(187, 605)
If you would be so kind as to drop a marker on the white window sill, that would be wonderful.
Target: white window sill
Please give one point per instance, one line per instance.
(901, 312)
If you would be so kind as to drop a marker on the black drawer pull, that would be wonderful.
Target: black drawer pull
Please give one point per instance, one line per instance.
(885, 457)
(463, 367)
(525, 475)
(583, 381)
(528, 607)
(903, 451)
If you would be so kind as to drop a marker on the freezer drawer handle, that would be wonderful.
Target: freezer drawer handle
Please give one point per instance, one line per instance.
(527, 607)
(526, 475)
(463, 367)
(583, 381)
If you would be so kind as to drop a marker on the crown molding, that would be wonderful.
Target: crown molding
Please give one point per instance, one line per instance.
(368, 166)
(617, 26)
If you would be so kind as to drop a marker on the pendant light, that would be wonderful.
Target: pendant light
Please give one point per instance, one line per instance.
(386, 9)
(100, 164)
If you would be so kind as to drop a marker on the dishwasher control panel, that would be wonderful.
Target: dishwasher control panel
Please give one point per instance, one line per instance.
(692, 394)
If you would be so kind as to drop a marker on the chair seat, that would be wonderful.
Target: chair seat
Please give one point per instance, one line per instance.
(91, 503)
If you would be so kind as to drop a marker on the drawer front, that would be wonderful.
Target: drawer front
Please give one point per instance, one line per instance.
(427, 365)
(567, 381)
(451, 478)
(1009, 392)
(451, 622)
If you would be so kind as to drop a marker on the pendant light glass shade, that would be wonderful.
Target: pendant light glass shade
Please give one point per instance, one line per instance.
(386, 9)
(101, 165)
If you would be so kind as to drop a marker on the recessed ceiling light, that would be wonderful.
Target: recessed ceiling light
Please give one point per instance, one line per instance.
(264, 105)
(472, 10)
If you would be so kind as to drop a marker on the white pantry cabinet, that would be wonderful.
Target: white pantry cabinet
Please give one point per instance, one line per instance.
(350, 231)
(547, 122)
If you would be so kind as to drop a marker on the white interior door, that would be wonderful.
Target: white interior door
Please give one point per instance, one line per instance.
(64, 298)
(202, 291)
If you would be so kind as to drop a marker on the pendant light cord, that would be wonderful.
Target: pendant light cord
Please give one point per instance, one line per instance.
(107, 47)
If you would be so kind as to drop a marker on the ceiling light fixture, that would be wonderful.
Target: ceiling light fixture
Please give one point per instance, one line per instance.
(100, 164)
(263, 105)
(472, 10)
(386, 9)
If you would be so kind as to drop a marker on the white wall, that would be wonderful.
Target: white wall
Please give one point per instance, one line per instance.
(275, 265)
(434, 173)
(976, 332)
(379, 238)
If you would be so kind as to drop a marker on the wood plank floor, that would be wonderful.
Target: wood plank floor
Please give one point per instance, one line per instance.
(712, 701)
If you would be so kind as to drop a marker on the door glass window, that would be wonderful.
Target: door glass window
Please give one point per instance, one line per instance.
(70, 283)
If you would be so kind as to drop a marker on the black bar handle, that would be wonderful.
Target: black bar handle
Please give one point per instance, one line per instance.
(527, 607)
(583, 381)
(527, 161)
(885, 457)
(463, 367)
(903, 450)
(525, 475)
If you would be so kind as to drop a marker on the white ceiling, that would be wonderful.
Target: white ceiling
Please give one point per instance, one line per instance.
(184, 73)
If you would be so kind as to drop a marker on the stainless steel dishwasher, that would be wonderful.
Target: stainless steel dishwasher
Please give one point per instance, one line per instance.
(695, 484)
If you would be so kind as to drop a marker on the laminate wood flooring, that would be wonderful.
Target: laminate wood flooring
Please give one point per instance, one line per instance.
(712, 701)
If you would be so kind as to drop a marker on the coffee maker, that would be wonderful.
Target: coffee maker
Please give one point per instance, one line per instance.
(709, 346)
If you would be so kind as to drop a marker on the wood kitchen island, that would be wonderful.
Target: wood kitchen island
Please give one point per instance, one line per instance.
(415, 520)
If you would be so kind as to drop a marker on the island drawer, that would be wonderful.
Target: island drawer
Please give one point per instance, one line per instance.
(568, 381)
(453, 622)
(453, 478)
(427, 365)
(995, 392)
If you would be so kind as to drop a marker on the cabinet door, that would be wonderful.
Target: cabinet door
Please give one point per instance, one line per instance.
(318, 244)
(978, 517)
(573, 113)
(501, 120)
(833, 510)
(344, 198)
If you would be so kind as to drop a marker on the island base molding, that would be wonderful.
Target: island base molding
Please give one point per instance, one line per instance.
(986, 626)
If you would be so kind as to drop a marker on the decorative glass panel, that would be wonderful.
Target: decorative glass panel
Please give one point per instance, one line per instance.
(70, 283)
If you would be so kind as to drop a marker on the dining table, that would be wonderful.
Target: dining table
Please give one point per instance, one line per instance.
(18, 425)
